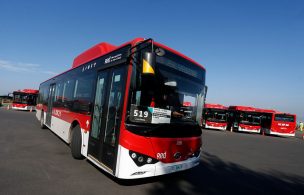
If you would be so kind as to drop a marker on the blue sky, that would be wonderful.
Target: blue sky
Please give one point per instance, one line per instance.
(253, 50)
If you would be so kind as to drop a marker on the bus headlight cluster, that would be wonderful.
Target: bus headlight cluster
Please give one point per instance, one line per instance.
(141, 159)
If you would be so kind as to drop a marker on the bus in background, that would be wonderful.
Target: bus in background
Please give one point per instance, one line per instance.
(25, 99)
(277, 123)
(133, 110)
(215, 116)
(245, 119)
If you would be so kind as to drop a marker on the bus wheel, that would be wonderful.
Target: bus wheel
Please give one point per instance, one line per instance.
(42, 126)
(76, 143)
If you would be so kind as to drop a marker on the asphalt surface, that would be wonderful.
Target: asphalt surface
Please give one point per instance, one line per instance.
(36, 161)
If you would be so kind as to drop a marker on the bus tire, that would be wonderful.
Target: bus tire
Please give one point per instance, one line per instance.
(76, 143)
(42, 126)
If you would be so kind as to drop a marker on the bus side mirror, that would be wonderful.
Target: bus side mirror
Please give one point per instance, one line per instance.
(148, 63)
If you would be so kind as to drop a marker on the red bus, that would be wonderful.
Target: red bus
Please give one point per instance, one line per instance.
(123, 108)
(215, 116)
(245, 119)
(278, 123)
(25, 99)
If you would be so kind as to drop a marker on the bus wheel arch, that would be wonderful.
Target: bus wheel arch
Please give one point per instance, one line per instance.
(72, 128)
(75, 140)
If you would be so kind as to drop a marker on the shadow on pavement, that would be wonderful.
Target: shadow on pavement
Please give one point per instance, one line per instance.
(214, 176)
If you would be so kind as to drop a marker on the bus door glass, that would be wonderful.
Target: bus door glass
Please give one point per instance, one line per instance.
(50, 104)
(106, 116)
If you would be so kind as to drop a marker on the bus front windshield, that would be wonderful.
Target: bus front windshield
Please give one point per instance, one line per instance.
(24, 98)
(216, 115)
(20, 98)
(284, 118)
(250, 118)
(173, 94)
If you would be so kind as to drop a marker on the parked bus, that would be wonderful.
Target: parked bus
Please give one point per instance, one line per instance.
(25, 99)
(215, 116)
(245, 119)
(277, 123)
(123, 108)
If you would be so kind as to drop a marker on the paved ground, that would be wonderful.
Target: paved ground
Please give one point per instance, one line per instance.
(35, 161)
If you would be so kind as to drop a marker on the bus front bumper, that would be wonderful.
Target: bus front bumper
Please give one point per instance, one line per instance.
(127, 169)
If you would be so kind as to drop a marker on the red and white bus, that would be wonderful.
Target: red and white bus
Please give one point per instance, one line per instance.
(245, 119)
(123, 108)
(25, 99)
(215, 116)
(278, 123)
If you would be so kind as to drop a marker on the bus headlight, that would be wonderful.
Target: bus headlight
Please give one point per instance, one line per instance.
(149, 160)
(141, 159)
(133, 155)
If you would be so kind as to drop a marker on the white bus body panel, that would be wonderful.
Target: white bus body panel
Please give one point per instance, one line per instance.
(127, 169)
(249, 131)
(85, 142)
(27, 108)
(218, 128)
(268, 131)
(38, 114)
(61, 128)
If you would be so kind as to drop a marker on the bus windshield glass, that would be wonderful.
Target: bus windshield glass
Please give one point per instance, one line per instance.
(216, 115)
(20, 98)
(250, 118)
(173, 94)
(23, 98)
(284, 117)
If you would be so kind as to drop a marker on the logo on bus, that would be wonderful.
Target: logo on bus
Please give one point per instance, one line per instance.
(56, 113)
(161, 155)
(113, 58)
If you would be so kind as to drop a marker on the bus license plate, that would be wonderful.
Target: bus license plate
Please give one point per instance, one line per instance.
(176, 167)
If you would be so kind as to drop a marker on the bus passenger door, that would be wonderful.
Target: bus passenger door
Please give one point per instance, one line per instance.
(98, 114)
(50, 105)
(106, 117)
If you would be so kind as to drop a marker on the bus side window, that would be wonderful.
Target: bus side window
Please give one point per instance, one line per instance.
(67, 97)
(58, 95)
(83, 93)
(42, 98)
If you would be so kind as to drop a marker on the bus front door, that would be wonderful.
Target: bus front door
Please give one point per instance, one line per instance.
(50, 105)
(106, 117)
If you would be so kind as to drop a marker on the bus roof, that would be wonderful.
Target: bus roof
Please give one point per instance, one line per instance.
(251, 109)
(104, 48)
(242, 108)
(215, 106)
(33, 91)
(245, 108)
(99, 50)
(265, 110)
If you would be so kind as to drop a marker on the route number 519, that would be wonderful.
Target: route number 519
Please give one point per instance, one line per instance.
(140, 113)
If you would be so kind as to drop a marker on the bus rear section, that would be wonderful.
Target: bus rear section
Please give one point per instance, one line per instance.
(215, 116)
(281, 124)
(25, 99)
(133, 110)
(244, 119)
